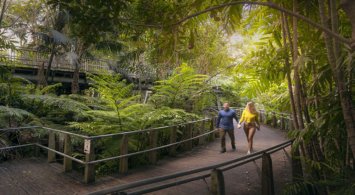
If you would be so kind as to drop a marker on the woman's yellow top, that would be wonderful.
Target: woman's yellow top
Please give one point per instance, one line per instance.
(249, 117)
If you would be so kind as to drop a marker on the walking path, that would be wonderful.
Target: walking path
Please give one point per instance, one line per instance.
(35, 176)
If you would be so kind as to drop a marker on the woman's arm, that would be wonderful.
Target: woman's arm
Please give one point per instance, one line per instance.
(242, 118)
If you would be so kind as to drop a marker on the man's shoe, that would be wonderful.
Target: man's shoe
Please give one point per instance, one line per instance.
(234, 148)
(223, 151)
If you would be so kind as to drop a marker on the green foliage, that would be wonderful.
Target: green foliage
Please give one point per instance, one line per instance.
(90, 19)
(53, 108)
(165, 116)
(184, 86)
(114, 91)
(15, 117)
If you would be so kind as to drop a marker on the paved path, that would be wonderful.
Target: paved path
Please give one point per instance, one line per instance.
(35, 176)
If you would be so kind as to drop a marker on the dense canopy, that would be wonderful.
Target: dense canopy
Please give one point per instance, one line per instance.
(166, 58)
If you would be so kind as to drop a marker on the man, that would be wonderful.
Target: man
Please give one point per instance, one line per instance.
(225, 124)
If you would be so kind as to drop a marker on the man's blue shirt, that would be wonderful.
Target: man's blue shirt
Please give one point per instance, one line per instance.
(225, 119)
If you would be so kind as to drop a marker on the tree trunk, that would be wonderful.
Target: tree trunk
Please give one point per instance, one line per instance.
(176, 53)
(296, 75)
(50, 61)
(41, 80)
(304, 102)
(288, 72)
(2, 12)
(338, 73)
(349, 6)
(75, 83)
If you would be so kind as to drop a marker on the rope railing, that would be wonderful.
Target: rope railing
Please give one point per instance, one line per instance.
(153, 149)
(145, 130)
(191, 131)
(90, 161)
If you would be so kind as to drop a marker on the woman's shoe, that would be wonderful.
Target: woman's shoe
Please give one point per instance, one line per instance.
(248, 152)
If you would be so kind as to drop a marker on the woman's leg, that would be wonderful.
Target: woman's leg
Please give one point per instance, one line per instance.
(251, 137)
(246, 131)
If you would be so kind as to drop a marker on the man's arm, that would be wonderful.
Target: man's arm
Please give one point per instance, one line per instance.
(241, 120)
(235, 117)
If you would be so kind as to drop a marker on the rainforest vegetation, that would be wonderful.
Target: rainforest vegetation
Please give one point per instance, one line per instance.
(294, 56)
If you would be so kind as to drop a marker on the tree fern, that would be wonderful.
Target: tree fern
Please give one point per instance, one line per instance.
(183, 86)
(10, 117)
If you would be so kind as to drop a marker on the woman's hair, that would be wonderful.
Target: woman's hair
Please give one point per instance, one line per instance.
(251, 107)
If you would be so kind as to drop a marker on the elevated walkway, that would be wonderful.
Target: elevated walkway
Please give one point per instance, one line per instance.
(36, 176)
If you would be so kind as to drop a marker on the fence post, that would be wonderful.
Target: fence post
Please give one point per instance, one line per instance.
(188, 135)
(217, 182)
(67, 163)
(201, 131)
(123, 168)
(89, 175)
(261, 116)
(51, 145)
(282, 122)
(290, 124)
(212, 135)
(267, 178)
(173, 136)
(274, 120)
(153, 142)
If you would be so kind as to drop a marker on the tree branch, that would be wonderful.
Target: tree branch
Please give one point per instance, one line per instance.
(267, 4)
(273, 6)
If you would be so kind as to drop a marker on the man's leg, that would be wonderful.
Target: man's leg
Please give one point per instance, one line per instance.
(231, 135)
(223, 140)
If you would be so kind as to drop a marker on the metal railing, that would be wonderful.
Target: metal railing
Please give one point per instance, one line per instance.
(35, 59)
(191, 174)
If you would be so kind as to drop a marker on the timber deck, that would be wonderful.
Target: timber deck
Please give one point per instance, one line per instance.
(36, 176)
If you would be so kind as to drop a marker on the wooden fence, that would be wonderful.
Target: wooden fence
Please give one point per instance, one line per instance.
(190, 134)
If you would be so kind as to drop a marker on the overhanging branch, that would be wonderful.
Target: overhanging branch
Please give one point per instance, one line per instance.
(267, 4)
(273, 6)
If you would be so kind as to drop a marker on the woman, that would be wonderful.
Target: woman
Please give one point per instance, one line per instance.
(250, 117)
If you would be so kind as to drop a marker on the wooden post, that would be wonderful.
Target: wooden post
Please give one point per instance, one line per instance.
(213, 135)
(290, 124)
(51, 145)
(264, 117)
(123, 168)
(37, 148)
(217, 182)
(188, 135)
(267, 178)
(274, 120)
(201, 131)
(261, 116)
(89, 175)
(67, 163)
(153, 142)
(173, 136)
(282, 122)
